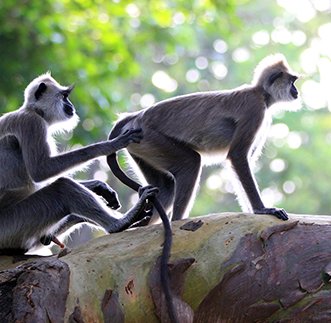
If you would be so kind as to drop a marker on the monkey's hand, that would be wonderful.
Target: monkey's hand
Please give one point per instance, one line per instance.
(279, 213)
(147, 192)
(128, 137)
(103, 189)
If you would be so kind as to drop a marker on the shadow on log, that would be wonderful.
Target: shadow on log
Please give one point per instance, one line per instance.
(224, 268)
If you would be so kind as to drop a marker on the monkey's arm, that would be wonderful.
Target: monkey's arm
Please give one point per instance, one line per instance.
(41, 165)
(238, 156)
(103, 189)
(241, 167)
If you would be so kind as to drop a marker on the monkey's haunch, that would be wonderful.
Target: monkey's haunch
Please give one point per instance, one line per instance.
(164, 272)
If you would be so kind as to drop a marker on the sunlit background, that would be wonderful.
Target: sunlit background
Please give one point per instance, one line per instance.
(125, 56)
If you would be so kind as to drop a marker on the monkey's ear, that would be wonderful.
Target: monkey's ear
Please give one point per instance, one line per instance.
(41, 89)
(273, 77)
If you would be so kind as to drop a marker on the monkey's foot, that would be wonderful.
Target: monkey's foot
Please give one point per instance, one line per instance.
(279, 213)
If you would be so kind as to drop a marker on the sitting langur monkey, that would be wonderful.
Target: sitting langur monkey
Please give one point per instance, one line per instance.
(36, 201)
(181, 132)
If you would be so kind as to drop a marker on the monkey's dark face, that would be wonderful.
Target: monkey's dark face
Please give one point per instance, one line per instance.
(281, 86)
(68, 107)
(293, 90)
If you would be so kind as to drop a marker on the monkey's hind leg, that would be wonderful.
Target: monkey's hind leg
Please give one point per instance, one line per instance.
(163, 181)
(179, 178)
(25, 223)
(187, 173)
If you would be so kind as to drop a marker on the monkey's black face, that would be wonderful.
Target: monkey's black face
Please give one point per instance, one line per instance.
(293, 90)
(68, 107)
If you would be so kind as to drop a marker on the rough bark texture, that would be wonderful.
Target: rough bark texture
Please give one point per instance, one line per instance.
(34, 292)
(224, 268)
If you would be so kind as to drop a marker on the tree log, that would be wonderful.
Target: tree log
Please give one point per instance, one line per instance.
(223, 268)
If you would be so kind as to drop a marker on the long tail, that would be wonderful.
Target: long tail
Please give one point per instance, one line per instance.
(164, 272)
(117, 171)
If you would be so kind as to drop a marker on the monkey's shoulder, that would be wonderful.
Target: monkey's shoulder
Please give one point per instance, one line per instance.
(24, 124)
(20, 117)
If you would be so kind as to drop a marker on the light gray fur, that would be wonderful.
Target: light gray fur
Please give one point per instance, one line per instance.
(184, 132)
(36, 199)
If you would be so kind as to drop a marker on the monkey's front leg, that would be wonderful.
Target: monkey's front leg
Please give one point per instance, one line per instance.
(241, 167)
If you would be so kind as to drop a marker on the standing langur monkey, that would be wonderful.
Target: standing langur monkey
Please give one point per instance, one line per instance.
(37, 202)
(181, 132)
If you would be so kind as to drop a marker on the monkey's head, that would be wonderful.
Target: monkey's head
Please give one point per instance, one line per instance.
(274, 76)
(50, 100)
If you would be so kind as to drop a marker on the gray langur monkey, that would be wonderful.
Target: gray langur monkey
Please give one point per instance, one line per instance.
(183, 132)
(37, 201)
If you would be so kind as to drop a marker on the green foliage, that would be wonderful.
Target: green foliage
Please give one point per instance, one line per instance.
(123, 55)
